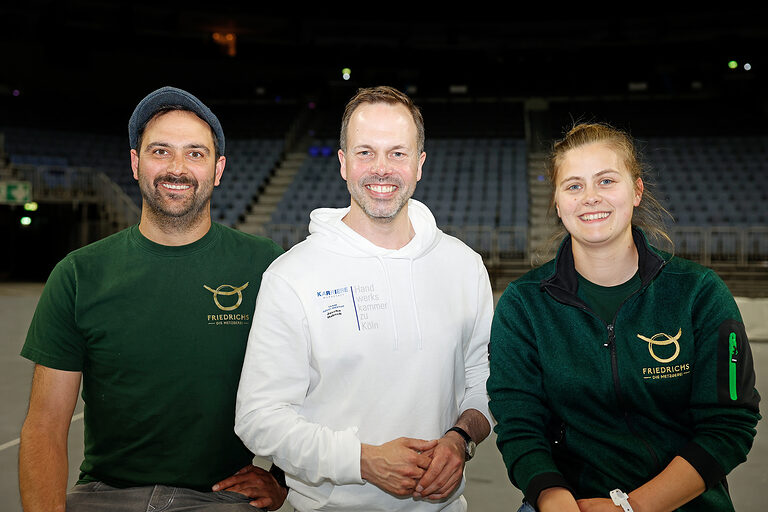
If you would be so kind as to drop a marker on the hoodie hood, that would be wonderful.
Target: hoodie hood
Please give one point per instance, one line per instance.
(327, 228)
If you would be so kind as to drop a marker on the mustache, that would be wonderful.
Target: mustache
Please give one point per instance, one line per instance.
(375, 180)
(176, 180)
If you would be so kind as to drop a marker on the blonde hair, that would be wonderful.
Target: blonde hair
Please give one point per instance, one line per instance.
(649, 215)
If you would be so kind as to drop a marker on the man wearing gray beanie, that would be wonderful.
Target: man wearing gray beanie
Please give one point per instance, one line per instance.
(154, 321)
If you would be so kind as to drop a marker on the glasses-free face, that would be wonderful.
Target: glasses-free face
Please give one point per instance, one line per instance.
(595, 195)
(176, 166)
(381, 164)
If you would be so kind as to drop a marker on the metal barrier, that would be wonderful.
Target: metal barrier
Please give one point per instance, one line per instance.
(65, 184)
(722, 244)
(706, 245)
(740, 246)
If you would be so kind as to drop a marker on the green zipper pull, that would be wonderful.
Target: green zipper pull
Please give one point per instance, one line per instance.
(733, 352)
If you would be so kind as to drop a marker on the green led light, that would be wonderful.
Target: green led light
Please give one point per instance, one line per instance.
(30, 207)
(25, 221)
(733, 64)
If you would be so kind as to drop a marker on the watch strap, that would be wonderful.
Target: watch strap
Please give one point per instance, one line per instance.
(621, 499)
(461, 432)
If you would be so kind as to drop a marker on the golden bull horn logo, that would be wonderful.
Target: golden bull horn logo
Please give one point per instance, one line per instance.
(227, 289)
(662, 339)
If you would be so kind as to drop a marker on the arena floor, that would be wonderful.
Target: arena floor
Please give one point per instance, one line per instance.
(488, 489)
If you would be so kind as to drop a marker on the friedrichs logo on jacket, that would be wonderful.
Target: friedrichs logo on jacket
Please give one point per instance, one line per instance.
(662, 340)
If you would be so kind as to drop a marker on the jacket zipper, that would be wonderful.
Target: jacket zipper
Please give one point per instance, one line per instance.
(733, 353)
(611, 344)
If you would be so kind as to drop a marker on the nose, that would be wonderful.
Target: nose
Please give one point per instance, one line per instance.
(177, 165)
(380, 166)
(591, 195)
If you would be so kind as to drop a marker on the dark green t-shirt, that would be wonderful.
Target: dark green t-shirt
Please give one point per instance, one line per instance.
(605, 300)
(159, 333)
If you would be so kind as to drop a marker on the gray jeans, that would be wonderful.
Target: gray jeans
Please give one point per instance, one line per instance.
(100, 497)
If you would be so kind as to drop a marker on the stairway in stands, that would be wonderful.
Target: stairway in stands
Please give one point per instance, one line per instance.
(265, 204)
(541, 223)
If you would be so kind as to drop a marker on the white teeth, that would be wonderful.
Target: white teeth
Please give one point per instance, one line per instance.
(383, 189)
(175, 187)
(593, 216)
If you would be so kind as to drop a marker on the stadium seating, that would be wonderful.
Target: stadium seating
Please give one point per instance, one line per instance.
(716, 188)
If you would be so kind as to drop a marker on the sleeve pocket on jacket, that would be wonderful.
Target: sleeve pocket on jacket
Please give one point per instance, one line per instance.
(735, 369)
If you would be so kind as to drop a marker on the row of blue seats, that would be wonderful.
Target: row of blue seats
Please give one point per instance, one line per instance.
(705, 181)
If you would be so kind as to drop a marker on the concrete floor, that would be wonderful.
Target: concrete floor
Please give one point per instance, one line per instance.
(488, 489)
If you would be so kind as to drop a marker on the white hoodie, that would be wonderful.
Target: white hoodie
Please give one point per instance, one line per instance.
(352, 343)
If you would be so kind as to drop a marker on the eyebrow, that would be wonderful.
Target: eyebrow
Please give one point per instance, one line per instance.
(368, 146)
(600, 173)
(198, 146)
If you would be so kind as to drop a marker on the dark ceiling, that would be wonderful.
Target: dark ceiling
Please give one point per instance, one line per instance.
(107, 55)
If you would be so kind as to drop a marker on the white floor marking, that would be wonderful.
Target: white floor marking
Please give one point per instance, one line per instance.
(14, 442)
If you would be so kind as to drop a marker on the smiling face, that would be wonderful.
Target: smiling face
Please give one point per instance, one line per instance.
(382, 163)
(176, 168)
(595, 196)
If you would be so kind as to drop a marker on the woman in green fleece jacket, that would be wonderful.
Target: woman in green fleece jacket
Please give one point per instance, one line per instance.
(621, 376)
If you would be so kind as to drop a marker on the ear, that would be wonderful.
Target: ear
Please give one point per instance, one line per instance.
(638, 191)
(557, 209)
(135, 164)
(343, 165)
(222, 161)
(422, 158)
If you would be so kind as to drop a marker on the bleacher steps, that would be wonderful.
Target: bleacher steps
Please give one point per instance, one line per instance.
(541, 225)
(265, 204)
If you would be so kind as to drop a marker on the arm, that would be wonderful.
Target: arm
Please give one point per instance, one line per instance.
(724, 412)
(675, 486)
(560, 499)
(448, 457)
(517, 399)
(724, 404)
(274, 382)
(43, 450)
(273, 385)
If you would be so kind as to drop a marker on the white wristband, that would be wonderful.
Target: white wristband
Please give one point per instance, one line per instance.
(620, 499)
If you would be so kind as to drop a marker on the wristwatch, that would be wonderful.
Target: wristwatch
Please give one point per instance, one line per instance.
(620, 499)
(471, 446)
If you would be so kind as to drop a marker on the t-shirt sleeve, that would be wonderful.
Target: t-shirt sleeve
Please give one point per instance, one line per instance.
(53, 339)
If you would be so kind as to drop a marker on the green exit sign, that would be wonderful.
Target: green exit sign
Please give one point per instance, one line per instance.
(15, 192)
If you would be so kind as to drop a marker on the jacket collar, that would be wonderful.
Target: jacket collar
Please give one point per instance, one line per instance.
(564, 279)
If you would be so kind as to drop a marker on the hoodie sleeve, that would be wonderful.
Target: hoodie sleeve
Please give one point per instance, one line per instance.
(273, 384)
(724, 401)
(476, 348)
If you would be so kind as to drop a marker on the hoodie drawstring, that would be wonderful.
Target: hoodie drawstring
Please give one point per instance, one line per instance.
(413, 298)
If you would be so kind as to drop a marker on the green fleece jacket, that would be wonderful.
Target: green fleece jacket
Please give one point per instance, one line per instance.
(592, 406)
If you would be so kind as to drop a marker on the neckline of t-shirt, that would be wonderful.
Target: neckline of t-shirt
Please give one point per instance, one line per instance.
(201, 244)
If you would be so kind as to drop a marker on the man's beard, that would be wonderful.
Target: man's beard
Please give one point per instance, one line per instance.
(175, 214)
(380, 210)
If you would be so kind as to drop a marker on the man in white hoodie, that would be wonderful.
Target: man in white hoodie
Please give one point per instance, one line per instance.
(365, 381)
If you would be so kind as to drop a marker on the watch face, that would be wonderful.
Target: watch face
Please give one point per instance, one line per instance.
(471, 447)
